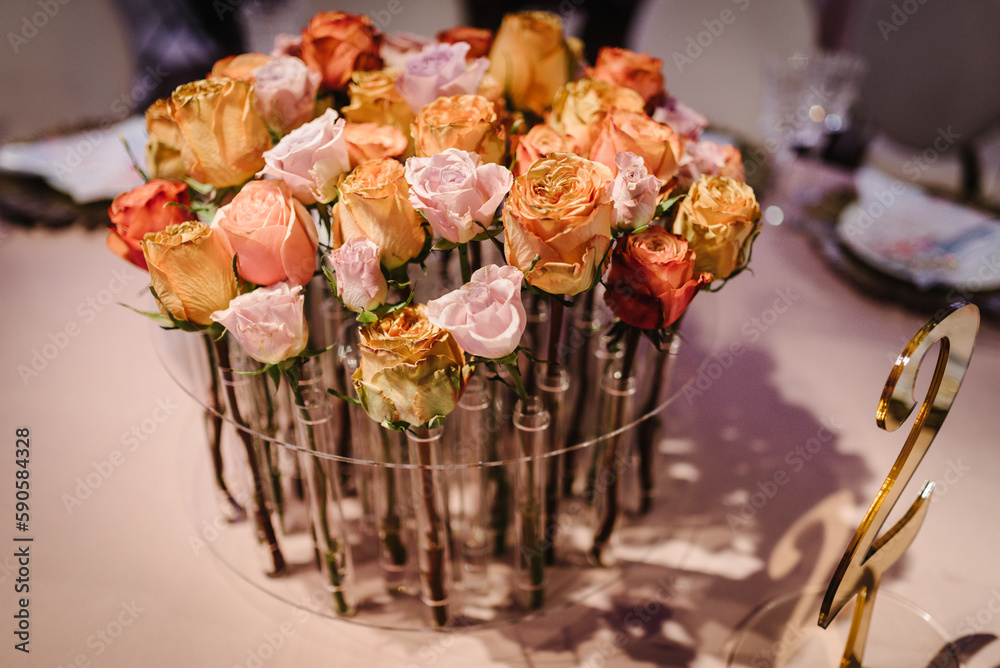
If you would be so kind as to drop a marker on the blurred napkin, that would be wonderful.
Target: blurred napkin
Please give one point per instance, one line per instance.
(88, 166)
(929, 241)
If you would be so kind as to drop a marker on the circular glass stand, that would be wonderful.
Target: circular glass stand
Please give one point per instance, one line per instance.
(783, 633)
(374, 505)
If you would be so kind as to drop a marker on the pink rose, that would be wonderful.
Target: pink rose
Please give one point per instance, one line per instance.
(633, 192)
(440, 70)
(397, 46)
(681, 118)
(711, 159)
(311, 158)
(485, 316)
(286, 93)
(269, 322)
(373, 141)
(454, 192)
(360, 283)
(287, 45)
(271, 232)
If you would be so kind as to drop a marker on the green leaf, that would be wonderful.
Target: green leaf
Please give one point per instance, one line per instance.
(157, 317)
(435, 422)
(445, 245)
(663, 207)
(351, 400)
(198, 187)
(367, 317)
(131, 157)
(179, 324)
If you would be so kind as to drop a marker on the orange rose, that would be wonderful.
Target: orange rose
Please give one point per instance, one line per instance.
(655, 143)
(224, 137)
(190, 270)
(541, 141)
(651, 278)
(150, 207)
(479, 40)
(239, 67)
(163, 148)
(579, 106)
(336, 45)
(374, 203)
(371, 141)
(532, 58)
(720, 218)
(557, 223)
(466, 122)
(271, 232)
(638, 71)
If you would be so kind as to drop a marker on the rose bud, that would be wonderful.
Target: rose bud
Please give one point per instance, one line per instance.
(557, 223)
(455, 192)
(720, 218)
(191, 270)
(360, 283)
(485, 315)
(411, 370)
(269, 322)
(272, 234)
(151, 207)
(374, 203)
(634, 192)
(224, 138)
(467, 122)
(652, 278)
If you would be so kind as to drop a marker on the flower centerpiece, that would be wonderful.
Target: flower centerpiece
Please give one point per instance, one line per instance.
(458, 198)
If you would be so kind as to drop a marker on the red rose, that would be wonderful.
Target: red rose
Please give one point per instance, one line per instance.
(336, 45)
(151, 207)
(651, 279)
(479, 40)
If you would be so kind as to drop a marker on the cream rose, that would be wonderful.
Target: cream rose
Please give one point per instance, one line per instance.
(720, 218)
(580, 105)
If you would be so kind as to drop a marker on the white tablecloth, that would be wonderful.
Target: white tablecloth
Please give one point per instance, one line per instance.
(114, 580)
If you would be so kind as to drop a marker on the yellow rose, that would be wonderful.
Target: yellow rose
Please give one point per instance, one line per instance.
(374, 99)
(579, 106)
(466, 122)
(532, 59)
(224, 137)
(191, 270)
(411, 370)
(720, 218)
(557, 223)
(163, 148)
(374, 203)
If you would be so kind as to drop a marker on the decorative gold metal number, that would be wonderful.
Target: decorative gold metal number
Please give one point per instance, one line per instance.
(870, 555)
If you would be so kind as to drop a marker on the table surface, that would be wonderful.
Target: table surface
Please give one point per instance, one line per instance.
(115, 444)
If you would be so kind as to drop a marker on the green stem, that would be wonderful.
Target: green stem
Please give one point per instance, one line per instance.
(331, 548)
(433, 545)
(391, 522)
(463, 262)
(553, 404)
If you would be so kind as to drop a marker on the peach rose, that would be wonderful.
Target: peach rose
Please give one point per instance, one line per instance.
(190, 270)
(637, 71)
(479, 39)
(720, 218)
(531, 56)
(635, 132)
(557, 223)
(151, 207)
(579, 106)
(271, 232)
(337, 44)
(466, 122)
(239, 67)
(371, 141)
(542, 140)
(374, 203)
(223, 137)
(163, 148)
(411, 370)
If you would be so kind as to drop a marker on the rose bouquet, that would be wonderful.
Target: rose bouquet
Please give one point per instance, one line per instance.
(365, 170)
